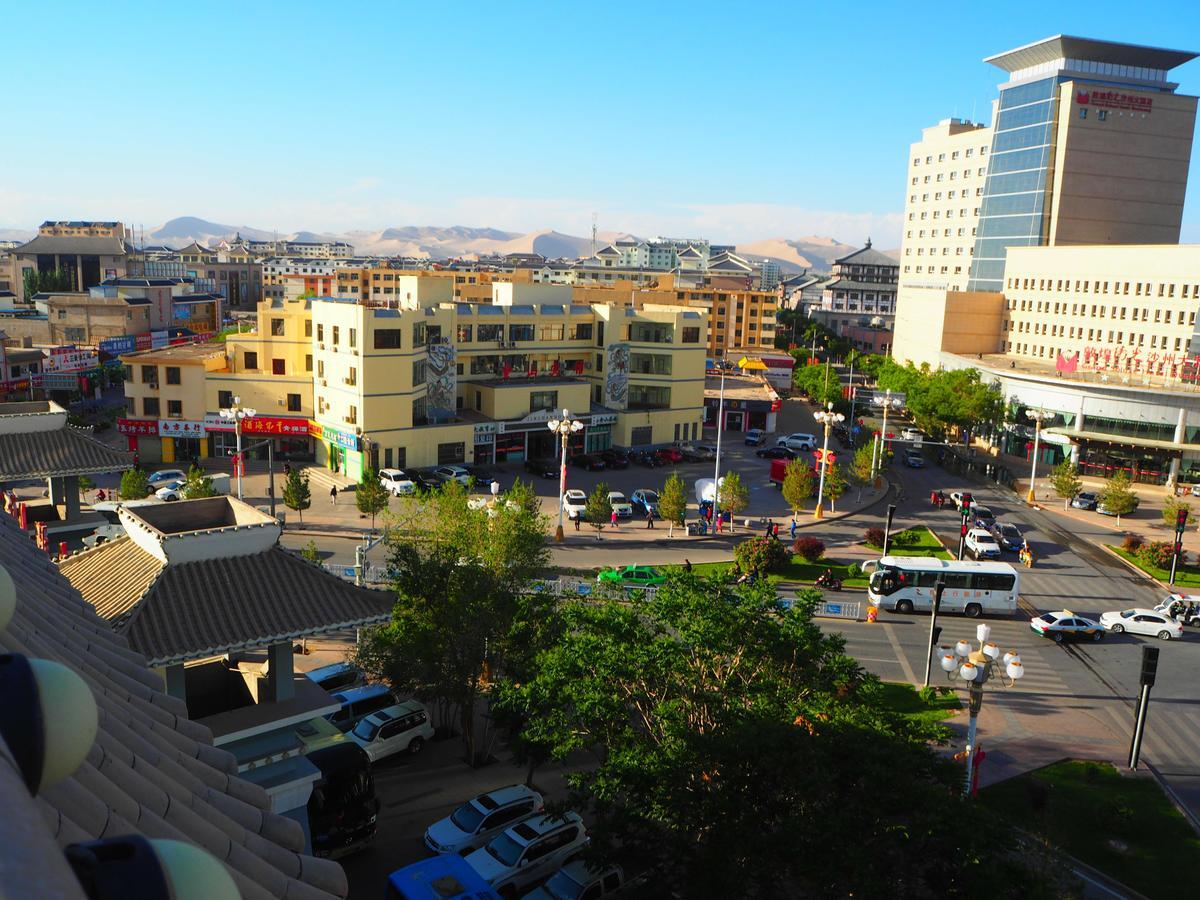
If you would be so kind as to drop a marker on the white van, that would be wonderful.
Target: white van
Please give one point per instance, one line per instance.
(402, 728)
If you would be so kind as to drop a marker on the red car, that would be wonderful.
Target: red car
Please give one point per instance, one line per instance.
(669, 455)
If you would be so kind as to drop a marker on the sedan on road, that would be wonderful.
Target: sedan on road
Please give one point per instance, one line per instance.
(452, 473)
(158, 479)
(589, 461)
(914, 460)
(614, 459)
(543, 468)
(172, 490)
(984, 517)
(396, 481)
(632, 576)
(644, 500)
(798, 441)
(1105, 511)
(1085, 500)
(779, 452)
(1064, 625)
(981, 545)
(1143, 621)
(1008, 536)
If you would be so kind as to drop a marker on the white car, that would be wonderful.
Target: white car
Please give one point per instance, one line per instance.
(1142, 621)
(956, 497)
(797, 441)
(452, 473)
(162, 477)
(529, 851)
(910, 434)
(574, 503)
(579, 881)
(981, 545)
(172, 490)
(620, 505)
(402, 728)
(482, 818)
(396, 482)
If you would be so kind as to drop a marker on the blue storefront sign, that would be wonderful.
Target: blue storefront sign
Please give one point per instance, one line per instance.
(126, 343)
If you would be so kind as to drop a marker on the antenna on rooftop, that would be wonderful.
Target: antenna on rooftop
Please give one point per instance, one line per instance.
(593, 234)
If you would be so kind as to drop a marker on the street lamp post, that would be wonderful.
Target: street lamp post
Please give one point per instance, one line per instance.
(564, 428)
(887, 401)
(236, 414)
(828, 418)
(975, 668)
(716, 500)
(1038, 416)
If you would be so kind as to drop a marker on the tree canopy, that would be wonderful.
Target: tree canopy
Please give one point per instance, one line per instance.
(943, 399)
(135, 484)
(798, 484)
(296, 493)
(370, 496)
(672, 501)
(198, 484)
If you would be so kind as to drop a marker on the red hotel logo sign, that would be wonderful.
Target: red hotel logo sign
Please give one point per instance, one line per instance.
(274, 425)
(1114, 100)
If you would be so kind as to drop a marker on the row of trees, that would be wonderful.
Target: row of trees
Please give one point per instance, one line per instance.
(801, 481)
(135, 484)
(942, 400)
(1117, 495)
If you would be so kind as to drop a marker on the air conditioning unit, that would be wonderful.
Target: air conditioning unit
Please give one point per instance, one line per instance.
(153, 385)
(324, 383)
(321, 346)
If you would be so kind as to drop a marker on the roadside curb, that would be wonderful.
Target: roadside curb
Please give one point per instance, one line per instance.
(1173, 797)
(1135, 569)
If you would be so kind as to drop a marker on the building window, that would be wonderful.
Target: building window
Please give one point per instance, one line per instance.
(293, 402)
(224, 399)
(175, 409)
(336, 334)
(149, 374)
(463, 334)
(581, 332)
(277, 328)
(352, 415)
(320, 332)
(644, 396)
(387, 339)
(641, 435)
(520, 332)
(308, 362)
(353, 337)
(418, 372)
(277, 367)
(543, 400)
(418, 334)
(150, 406)
(173, 375)
(451, 453)
(308, 328)
(250, 360)
(352, 378)
(690, 334)
(491, 332)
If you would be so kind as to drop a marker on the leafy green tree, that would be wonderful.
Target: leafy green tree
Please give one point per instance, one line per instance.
(761, 555)
(1171, 508)
(135, 484)
(733, 495)
(798, 485)
(672, 502)
(1118, 496)
(311, 553)
(835, 484)
(860, 467)
(598, 512)
(296, 493)
(461, 611)
(198, 484)
(1065, 480)
(732, 744)
(370, 496)
(86, 486)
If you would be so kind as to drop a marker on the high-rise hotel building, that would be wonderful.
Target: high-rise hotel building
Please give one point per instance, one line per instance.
(1043, 250)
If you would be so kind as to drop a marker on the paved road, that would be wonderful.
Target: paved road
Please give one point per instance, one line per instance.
(1091, 687)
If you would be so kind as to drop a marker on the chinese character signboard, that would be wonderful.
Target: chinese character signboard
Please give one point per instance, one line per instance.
(70, 361)
(274, 425)
(137, 426)
(126, 343)
(1114, 100)
(180, 428)
(332, 435)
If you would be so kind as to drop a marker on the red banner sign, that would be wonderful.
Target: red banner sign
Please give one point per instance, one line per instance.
(274, 425)
(137, 426)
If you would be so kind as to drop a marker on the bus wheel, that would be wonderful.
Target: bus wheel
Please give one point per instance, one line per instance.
(904, 606)
(973, 610)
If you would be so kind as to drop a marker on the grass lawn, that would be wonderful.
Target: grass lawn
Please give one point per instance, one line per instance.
(906, 700)
(1185, 576)
(923, 544)
(1121, 825)
(797, 570)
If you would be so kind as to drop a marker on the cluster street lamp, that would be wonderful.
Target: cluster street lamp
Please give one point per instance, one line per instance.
(237, 414)
(564, 428)
(887, 401)
(828, 418)
(975, 668)
(1038, 416)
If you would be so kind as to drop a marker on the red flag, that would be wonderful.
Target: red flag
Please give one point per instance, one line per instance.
(579, 367)
(507, 369)
(555, 368)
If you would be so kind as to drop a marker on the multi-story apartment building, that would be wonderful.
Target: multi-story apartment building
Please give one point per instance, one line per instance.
(1079, 300)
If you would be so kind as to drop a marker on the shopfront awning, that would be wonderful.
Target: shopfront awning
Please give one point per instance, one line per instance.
(1124, 440)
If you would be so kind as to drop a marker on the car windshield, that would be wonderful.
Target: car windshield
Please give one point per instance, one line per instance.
(467, 817)
(984, 539)
(1010, 531)
(1127, 613)
(563, 887)
(366, 730)
(616, 497)
(650, 496)
(505, 850)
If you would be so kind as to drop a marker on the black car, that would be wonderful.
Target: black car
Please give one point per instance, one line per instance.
(1008, 536)
(614, 459)
(424, 482)
(543, 468)
(775, 453)
(589, 461)
(1085, 500)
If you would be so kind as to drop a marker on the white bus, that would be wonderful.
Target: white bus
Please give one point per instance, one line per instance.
(906, 583)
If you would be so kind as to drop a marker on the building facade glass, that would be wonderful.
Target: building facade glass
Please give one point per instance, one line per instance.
(1015, 210)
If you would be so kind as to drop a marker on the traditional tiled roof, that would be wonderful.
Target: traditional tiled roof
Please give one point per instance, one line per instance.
(192, 610)
(151, 770)
(63, 451)
(72, 244)
(867, 256)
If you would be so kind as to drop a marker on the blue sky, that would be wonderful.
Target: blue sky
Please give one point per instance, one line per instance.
(732, 121)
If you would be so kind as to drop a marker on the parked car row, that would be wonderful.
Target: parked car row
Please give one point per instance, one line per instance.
(1065, 625)
(1090, 500)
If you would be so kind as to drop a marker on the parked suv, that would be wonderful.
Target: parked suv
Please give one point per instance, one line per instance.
(755, 437)
(981, 544)
(482, 818)
(358, 703)
(529, 851)
(396, 481)
(337, 676)
(402, 728)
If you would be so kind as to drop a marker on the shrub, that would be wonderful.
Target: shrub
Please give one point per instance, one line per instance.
(1172, 507)
(810, 549)
(927, 695)
(873, 537)
(906, 538)
(1132, 543)
(1158, 554)
(854, 570)
(761, 555)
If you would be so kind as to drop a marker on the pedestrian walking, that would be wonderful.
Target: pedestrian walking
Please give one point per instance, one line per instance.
(613, 519)
(793, 529)
(577, 518)
(333, 495)
(649, 518)
(718, 524)
(687, 565)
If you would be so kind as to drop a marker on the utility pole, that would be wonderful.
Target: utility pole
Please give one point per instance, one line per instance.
(967, 499)
(934, 631)
(1181, 517)
(1149, 670)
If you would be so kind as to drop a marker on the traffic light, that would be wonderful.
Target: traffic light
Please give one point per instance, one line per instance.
(967, 500)
(1181, 516)
(1149, 665)
(963, 533)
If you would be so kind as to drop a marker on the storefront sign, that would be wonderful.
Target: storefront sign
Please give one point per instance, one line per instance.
(60, 381)
(217, 422)
(274, 425)
(180, 428)
(604, 419)
(332, 435)
(137, 426)
(126, 343)
(484, 429)
(70, 361)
